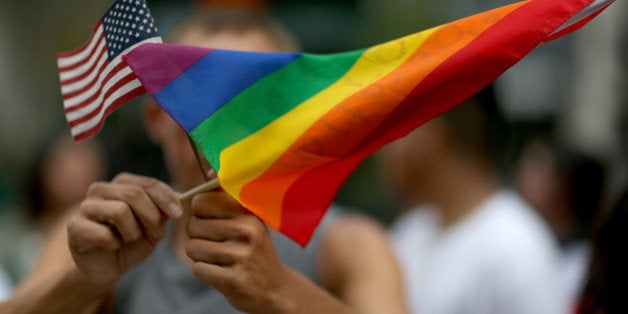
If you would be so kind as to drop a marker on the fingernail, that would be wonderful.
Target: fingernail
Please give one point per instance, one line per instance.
(175, 210)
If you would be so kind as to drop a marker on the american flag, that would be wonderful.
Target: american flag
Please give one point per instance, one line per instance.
(94, 78)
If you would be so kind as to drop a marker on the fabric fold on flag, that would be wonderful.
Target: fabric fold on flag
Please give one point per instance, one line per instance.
(94, 79)
(284, 130)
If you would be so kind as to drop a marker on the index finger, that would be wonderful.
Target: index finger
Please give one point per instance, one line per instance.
(160, 193)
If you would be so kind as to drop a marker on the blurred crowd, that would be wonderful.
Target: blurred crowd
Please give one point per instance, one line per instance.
(531, 175)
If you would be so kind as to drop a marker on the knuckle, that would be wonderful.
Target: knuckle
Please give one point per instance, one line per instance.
(95, 188)
(135, 236)
(72, 226)
(242, 255)
(88, 207)
(86, 203)
(201, 205)
(199, 271)
(119, 211)
(151, 182)
(123, 176)
(131, 193)
(248, 231)
(104, 239)
(154, 224)
(192, 249)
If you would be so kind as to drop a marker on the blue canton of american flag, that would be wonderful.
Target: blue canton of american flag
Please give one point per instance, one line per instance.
(127, 23)
(94, 79)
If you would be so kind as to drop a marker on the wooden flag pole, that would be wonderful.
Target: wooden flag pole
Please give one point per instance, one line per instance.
(210, 184)
(205, 187)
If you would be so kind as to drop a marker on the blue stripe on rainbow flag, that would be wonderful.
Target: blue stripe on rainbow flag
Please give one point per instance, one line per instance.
(214, 80)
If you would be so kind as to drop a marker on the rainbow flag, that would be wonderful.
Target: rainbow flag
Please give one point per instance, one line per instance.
(284, 130)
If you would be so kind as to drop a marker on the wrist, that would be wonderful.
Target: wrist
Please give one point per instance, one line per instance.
(298, 294)
(67, 290)
(85, 285)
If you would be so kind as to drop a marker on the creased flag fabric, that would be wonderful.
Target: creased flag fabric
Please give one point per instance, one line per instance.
(94, 79)
(284, 130)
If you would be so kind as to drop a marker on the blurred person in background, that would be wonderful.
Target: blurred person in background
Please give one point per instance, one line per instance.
(466, 243)
(567, 189)
(59, 177)
(216, 256)
(604, 291)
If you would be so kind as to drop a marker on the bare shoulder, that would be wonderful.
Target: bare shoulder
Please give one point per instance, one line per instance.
(357, 264)
(54, 254)
(353, 230)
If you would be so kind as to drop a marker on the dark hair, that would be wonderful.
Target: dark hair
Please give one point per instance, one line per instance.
(604, 291)
(237, 20)
(585, 178)
(33, 197)
(476, 126)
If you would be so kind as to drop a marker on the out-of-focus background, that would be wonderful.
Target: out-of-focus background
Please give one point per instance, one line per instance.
(572, 90)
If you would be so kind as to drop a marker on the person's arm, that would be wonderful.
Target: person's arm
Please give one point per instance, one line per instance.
(232, 251)
(356, 263)
(66, 290)
(115, 227)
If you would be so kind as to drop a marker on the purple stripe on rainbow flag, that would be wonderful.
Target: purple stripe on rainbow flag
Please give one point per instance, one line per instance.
(172, 63)
(206, 80)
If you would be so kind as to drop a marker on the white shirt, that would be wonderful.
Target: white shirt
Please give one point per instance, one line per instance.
(574, 268)
(500, 259)
(5, 286)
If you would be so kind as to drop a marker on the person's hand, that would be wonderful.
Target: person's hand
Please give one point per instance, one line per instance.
(119, 224)
(232, 252)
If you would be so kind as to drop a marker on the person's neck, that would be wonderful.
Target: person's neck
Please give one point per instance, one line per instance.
(458, 188)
